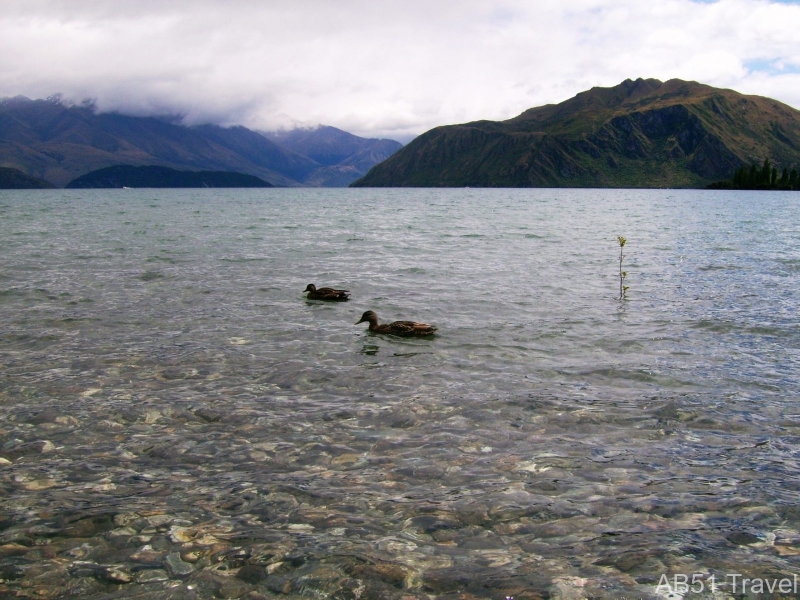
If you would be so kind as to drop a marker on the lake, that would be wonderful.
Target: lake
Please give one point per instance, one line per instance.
(178, 421)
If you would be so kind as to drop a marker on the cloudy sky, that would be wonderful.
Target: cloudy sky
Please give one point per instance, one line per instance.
(384, 68)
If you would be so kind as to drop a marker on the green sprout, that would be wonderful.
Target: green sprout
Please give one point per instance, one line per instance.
(622, 274)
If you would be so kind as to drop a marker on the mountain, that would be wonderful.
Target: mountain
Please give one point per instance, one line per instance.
(56, 142)
(126, 176)
(342, 157)
(643, 133)
(14, 179)
(51, 140)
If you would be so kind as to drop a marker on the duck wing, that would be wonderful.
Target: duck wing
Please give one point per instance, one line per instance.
(327, 293)
(411, 328)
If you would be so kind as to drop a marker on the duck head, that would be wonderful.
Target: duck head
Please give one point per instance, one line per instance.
(368, 316)
(310, 288)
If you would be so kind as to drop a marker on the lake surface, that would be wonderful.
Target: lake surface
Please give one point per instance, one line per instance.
(178, 421)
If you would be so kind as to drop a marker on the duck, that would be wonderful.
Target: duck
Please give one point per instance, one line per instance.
(401, 328)
(326, 293)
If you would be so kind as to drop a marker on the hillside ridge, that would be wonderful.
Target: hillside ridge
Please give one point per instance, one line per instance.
(642, 133)
(14, 179)
(126, 176)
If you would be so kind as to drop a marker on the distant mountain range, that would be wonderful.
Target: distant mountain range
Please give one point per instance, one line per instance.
(55, 142)
(641, 133)
(343, 157)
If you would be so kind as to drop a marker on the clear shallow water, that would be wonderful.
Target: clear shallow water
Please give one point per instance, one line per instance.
(176, 418)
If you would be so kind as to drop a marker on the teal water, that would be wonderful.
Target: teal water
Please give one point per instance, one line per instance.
(157, 357)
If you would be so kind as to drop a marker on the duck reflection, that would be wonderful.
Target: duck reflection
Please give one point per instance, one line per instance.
(370, 349)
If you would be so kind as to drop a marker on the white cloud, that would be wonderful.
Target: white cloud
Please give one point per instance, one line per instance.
(393, 68)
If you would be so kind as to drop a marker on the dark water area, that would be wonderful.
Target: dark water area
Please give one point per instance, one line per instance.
(178, 421)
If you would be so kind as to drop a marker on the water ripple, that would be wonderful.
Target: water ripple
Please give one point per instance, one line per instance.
(175, 413)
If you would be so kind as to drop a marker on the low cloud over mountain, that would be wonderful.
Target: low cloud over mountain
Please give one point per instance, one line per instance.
(57, 142)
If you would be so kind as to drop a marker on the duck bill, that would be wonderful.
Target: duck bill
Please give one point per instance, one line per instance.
(361, 321)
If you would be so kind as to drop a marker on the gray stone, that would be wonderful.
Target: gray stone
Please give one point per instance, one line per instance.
(176, 567)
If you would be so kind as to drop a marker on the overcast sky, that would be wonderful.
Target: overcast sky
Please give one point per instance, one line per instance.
(384, 68)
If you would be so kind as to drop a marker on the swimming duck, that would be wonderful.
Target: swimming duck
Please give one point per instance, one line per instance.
(326, 293)
(401, 328)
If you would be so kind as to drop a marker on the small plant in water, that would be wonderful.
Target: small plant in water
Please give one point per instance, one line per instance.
(622, 274)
